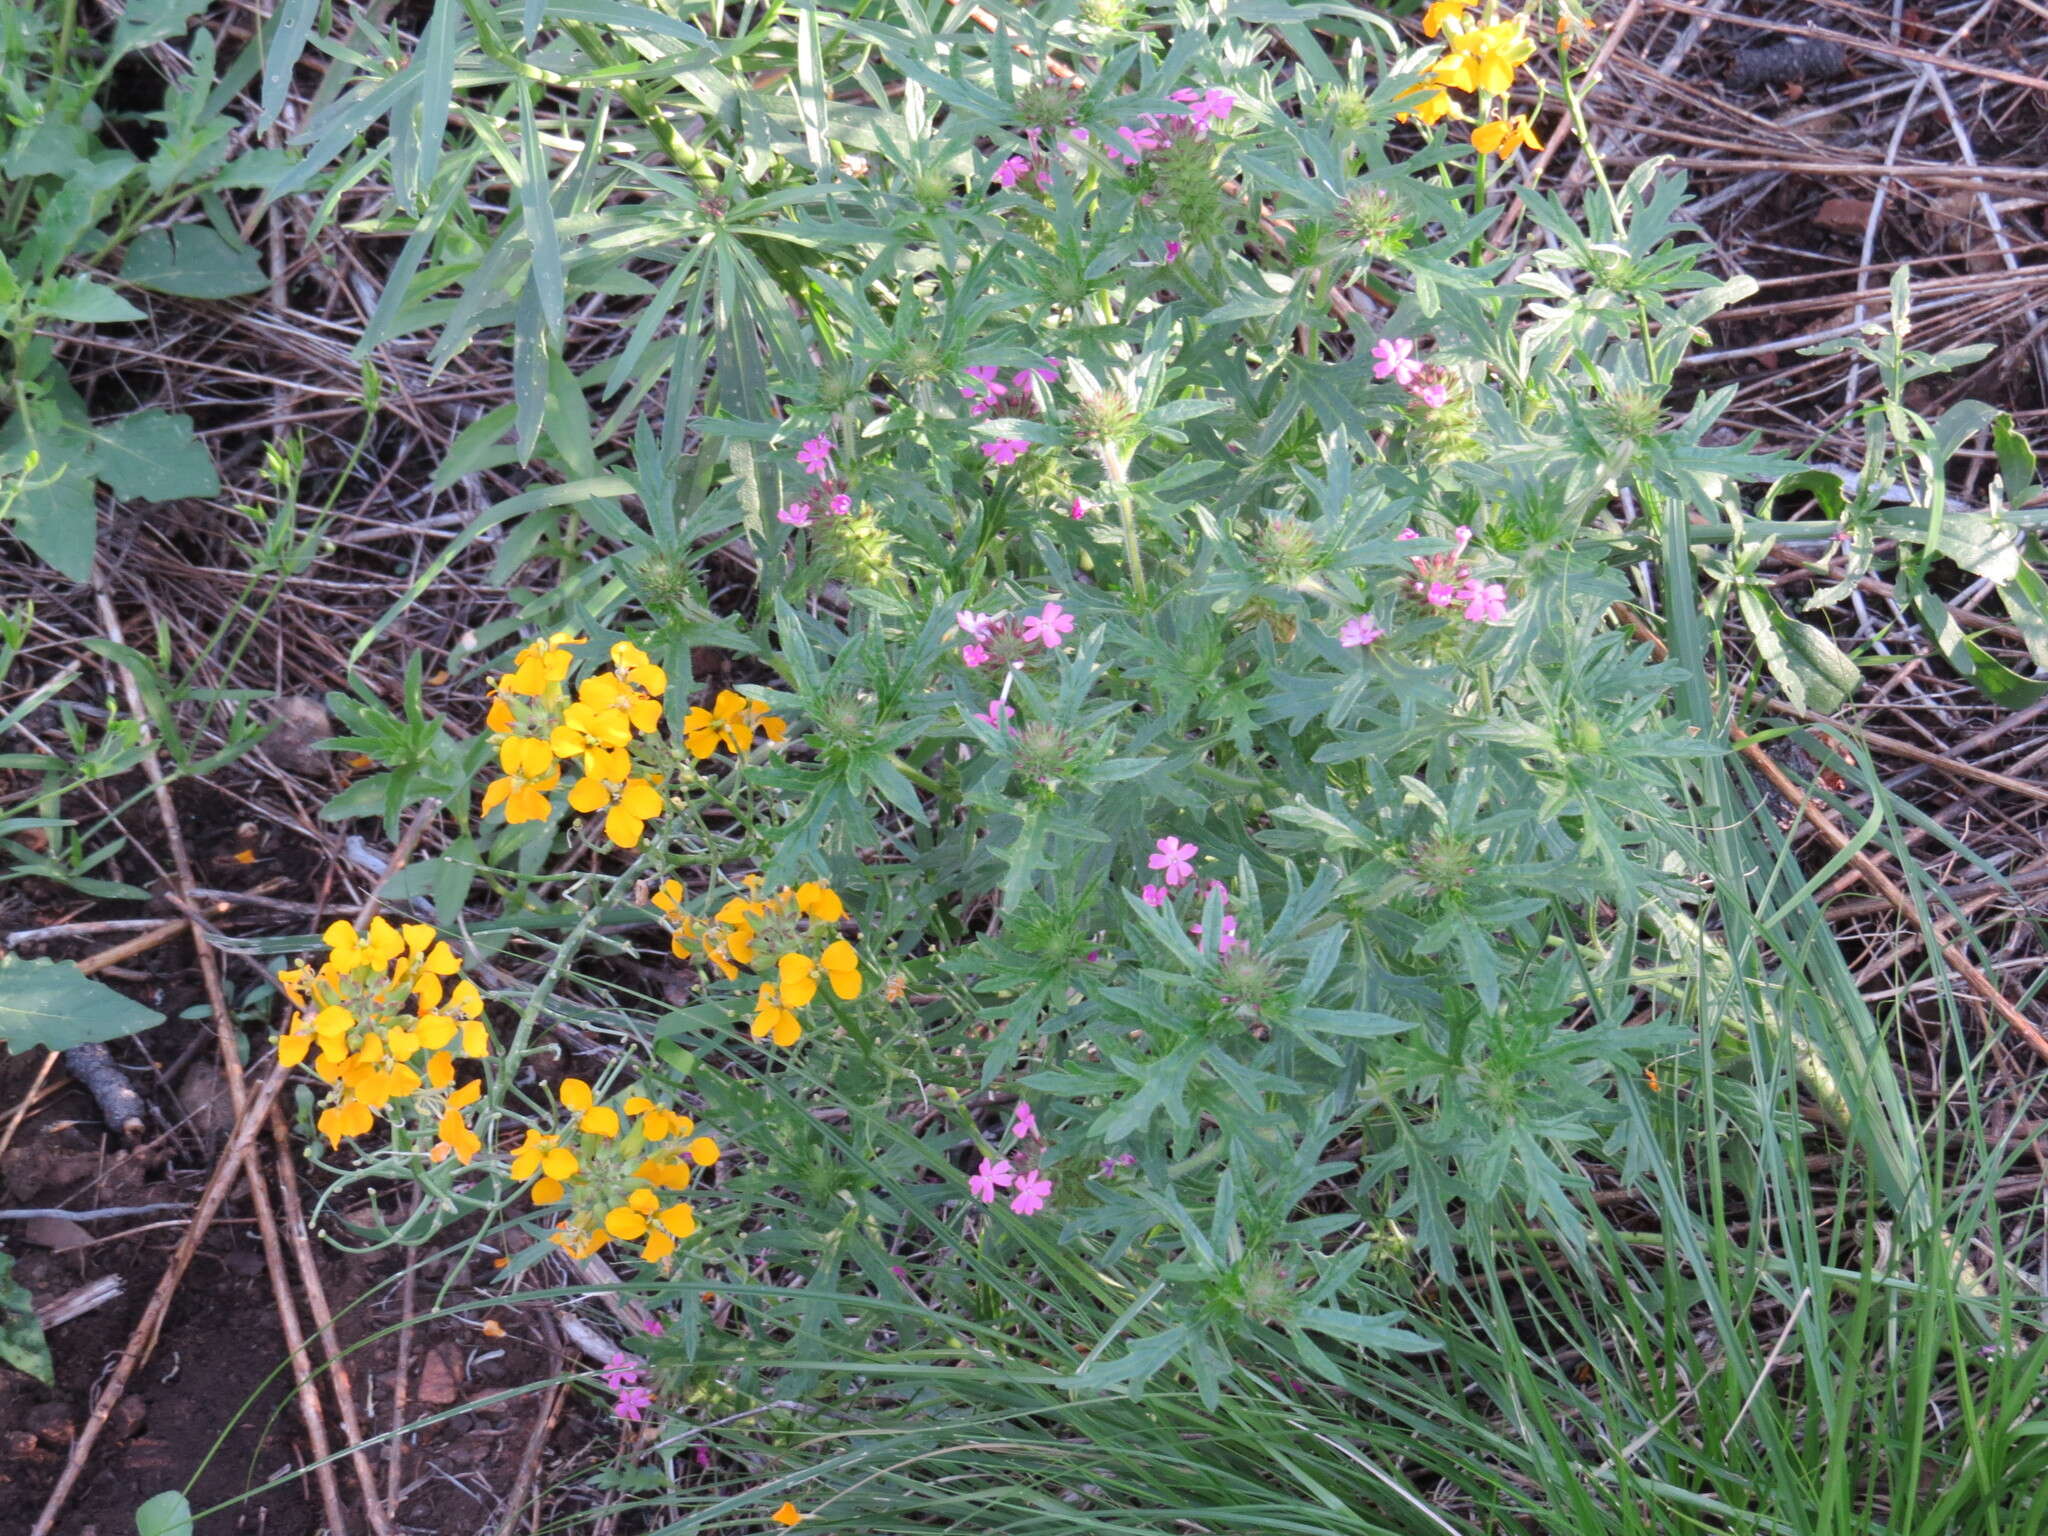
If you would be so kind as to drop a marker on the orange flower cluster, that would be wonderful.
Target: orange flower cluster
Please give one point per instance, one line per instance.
(730, 723)
(383, 999)
(618, 1167)
(781, 931)
(1480, 60)
(539, 727)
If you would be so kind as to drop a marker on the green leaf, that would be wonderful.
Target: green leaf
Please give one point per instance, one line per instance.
(55, 513)
(2015, 459)
(1994, 678)
(168, 1514)
(1815, 672)
(192, 262)
(153, 456)
(86, 301)
(2026, 602)
(152, 21)
(21, 1337)
(53, 1004)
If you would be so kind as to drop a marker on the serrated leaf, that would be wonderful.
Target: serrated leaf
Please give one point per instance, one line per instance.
(192, 262)
(53, 1004)
(82, 299)
(153, 456)
(21, 1337)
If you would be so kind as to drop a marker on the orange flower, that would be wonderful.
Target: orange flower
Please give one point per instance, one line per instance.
(1504, 136)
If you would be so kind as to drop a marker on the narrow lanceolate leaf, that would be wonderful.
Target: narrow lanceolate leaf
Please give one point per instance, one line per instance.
(53, 1004)
(294, 24)
(437, 90)
(548, 278)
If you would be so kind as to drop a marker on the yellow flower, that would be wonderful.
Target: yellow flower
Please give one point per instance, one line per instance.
(1503, 136)
(820, 903)
(456, 1136)
(841, 964)
(773, 1019)
(798, 979)
(787, 1515)
(1441, 11)
(1485, 58)
(1433, 108)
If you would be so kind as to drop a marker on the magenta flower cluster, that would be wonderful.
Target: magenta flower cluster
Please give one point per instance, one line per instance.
(829, 496)
(1394, 358)
(622, 1377)
(1444, 581)
(995, 636)
(1174, 862)
(1026, 1186)
(1126, 146)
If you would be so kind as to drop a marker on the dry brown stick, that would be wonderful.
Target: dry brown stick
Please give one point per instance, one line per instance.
(1891, 746)
(1818, 818)
(529, 1459)
(394, 1451)
(128, 949)
(143, 1339)
(323, 1322)
(28, 1100)
(1866, 44)
(238, 1158)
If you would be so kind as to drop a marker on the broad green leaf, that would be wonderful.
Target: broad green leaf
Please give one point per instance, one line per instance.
(84, 300)
(168, 1514)
(193, 262)
(153, 456)
(51, 1003)
(55, 512)
(2015, 460)
(21, 1337)
(2026, 602)
(1994, 678)
(1815, 672)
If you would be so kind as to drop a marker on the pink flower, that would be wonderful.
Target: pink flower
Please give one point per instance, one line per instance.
(1394, 358)
(1011, 170)
(1047, 625)
(997, 713)
(1023, 376)
(1362, 630)
(1431, 395)
(1175, 860)
(1080, 509)
(652, 1327)
(1154, 895)
(1006, 450)
(1486, 602)
(1407, 533)
(974, 655)
(1032, 1189)
(984, 391)
(975, 625)
(631, 1401)
(990, 1178)
(840, 505)
(1208, 108)
(1026, 1123)
(797, 514)
(621, 1371)
(1218, 888)
(1443, 594)
(1111, 1164)
(1173, 250)
(1227, 940)
(816, 456)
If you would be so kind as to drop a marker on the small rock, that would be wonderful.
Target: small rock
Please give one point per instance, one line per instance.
(1844, 215)
(51, 1423)
(55, 1232)
(299, 722)
(128, 1417)
(203, 1096)
(440, 1376)
(244, 1263)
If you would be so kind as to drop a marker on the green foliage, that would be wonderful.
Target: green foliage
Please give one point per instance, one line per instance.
(21, 1337)
(1427, 1155)
(167, 1514)
(52, 1004)
(75, 199)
